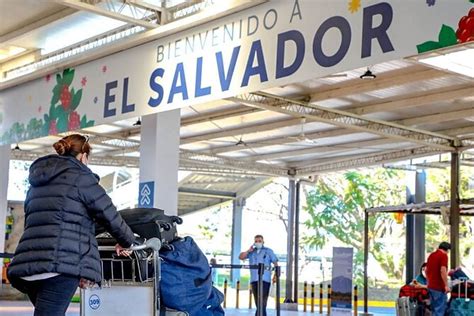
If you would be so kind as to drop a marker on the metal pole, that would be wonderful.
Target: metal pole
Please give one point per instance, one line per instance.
(410, 241)
(290, 239)
(157, 279)
(454, 210)
(366, 259)
(297, 236)
(419, 224)
(278, 272)
(261, 267)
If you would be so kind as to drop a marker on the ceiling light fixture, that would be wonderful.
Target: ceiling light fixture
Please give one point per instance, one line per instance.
(138, 122)
(17, 148)
(368, 75)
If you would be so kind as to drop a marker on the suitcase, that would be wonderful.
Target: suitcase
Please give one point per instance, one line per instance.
(461, 306)
(463, 290)
(406, 306)
(418, 294)
(149, 223)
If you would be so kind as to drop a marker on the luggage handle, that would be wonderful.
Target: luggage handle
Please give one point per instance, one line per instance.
(464, 281)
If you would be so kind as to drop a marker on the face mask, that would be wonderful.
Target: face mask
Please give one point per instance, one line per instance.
(258, 245)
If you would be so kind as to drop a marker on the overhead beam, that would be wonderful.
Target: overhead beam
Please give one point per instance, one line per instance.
(439, 117)
(254, 128)
(259, 143)
(417, 99)
(219, 115)
(24, 30)
(342, 147)
(359, 161)
(440, 95)
(385, 80)
(346, 120)
(349, 146)
(207, 193)
(76, 4)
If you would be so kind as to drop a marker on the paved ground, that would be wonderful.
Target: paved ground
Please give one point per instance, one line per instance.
(23, 308)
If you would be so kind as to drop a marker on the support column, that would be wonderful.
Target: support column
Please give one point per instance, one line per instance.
(290, 239)
(410, 240)
(4, 173)
(237, 208)
(297, 237)
(454, 210)
(419, 224)
(159, 161)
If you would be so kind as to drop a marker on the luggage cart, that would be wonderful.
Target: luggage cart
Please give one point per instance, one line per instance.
(127, 291)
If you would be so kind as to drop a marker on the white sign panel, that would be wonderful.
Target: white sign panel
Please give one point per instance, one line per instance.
(341, 295)
(276, 43)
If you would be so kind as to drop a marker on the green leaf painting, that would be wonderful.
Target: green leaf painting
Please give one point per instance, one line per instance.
(68, 76)
(76, 99)
(446, 37)
(62, 115)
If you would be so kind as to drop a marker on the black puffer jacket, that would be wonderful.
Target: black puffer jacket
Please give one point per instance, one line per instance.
(60, 208)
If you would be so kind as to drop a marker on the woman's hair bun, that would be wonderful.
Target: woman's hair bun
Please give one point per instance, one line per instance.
(62, 147)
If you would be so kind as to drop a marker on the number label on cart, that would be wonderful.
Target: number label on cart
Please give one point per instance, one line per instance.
(94, 301)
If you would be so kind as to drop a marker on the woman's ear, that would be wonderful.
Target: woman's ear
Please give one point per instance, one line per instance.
(84, 159)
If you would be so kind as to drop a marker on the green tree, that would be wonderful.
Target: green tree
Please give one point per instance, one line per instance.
(438, 189)
(336, 208)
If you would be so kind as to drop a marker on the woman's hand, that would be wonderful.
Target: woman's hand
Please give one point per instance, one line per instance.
(120, 251)
(84, 283)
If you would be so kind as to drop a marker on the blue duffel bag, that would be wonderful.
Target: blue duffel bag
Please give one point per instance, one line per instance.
(186, 282)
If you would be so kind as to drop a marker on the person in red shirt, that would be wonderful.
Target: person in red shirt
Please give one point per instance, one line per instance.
(437, 277)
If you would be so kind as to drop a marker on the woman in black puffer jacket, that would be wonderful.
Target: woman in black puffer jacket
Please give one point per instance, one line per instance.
(58, 250)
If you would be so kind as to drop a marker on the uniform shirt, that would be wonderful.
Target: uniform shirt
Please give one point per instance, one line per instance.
(266, 256)
(435, 261)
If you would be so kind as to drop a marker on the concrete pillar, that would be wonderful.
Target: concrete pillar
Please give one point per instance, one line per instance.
(238, 206)
(4, 173)
(454, 210)
(410, 240)
(290, 238)
(419, 222)
(159, 161)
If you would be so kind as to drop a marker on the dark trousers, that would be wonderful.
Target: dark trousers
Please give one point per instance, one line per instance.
(51, 297)
(266, 290)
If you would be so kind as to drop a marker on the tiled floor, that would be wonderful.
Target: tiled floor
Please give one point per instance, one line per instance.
(23, 308)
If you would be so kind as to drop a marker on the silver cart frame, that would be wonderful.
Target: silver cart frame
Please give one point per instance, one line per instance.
(121, 295)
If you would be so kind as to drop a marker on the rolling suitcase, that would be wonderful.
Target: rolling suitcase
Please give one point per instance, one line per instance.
(461, 306)
(406, 306)
(149, 223)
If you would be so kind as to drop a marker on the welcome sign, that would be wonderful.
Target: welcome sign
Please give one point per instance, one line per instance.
(276, 43)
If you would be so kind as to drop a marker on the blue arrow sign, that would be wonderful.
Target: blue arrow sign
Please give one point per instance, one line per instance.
(146, 194)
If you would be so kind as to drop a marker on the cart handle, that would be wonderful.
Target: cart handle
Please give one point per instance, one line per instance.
(152, 243)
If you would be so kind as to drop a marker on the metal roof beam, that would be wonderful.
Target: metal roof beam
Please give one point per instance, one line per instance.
(359, 161)
(207, 193)
(254, 128)
(219, 115)
(385, 80)
(209, 160)
(346, 120)
(23, 30)
(427, 119)
(343, 147)
(76, 4)
(416, 99)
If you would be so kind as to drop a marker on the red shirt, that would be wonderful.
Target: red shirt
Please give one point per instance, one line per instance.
(435, 261)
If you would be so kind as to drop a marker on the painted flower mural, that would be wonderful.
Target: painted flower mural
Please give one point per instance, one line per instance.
(62, 116)
(448, 37)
